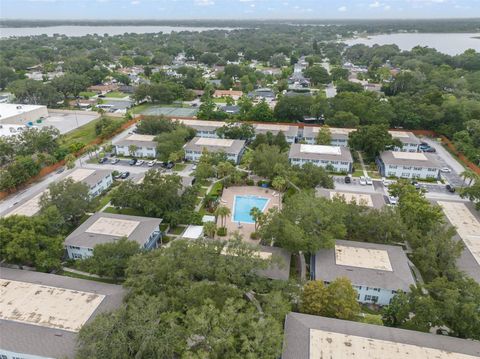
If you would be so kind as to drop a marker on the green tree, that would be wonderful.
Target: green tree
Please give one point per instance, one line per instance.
(222, 212)
(397, 312)
(71, 198)
(317, 74)
(210, 228)
(260, 112)
(267, 160)
(132, 150)
(372, 140)
(324, 136)
(110, 259)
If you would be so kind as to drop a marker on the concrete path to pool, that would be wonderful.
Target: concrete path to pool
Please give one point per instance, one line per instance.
(245, 229)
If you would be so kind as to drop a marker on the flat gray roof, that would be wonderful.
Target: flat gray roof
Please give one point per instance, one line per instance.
(287, 130)
(105, 227)
(359, 340)
(374, 200)
(336, 133)
(415, 159)
(405, 137)
(215, 145)
(52, 342)
(201, 125)
(137, 140)
(326, 266)
(89, 176)
(302, 151)
(280, 268)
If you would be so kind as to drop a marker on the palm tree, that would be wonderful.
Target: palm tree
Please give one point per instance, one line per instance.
(210, 228)
(132, 149)
(222, 212)
(70, 160)
(256, 215)
(470, 175)
(280, 185)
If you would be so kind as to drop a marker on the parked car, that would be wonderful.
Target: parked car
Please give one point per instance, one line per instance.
(117, 175)
(430, 149)
(132, 162)
(348, 179)
(445, 170)
(363, 181)
(194, 167)
(368, 180)
(393, 200)
(124, 175)
(151, 163)
(60, 170)
(170, 165)
(139, 163)
(450, 188)
(114, 161)
(102, 160)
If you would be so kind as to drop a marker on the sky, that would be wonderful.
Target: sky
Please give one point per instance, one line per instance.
(237, 9)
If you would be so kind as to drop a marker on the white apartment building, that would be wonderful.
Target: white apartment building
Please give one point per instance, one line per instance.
(145, 146)
(232, 148)
(408, 165)
(339, 135)
(377, 271)
(409, 141)
(105, 227)
(290, 132)
(338, 158)
(204, 128)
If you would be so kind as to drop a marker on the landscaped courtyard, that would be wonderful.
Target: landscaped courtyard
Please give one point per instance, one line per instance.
(240, 200)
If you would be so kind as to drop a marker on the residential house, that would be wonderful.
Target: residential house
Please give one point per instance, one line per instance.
(105, 227)
(377, 271)
(228, 93)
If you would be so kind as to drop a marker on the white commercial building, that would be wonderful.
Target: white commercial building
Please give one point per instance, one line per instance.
(105, 227)
(377, 271)
(232, 148)
(17, 114)
(408, 165)
(41, 314)
(338, 158)
(314, 337)
(143, 145)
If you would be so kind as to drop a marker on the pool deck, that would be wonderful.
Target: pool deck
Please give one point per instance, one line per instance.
(228, 198)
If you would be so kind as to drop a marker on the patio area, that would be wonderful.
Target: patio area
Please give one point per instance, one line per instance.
(228, 200)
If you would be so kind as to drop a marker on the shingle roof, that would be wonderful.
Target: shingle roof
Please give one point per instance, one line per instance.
(147, 141)
(81, 238)
(377, 199)
(325, 267)
(48, 342)
(297, 338)
(274, 129)
(280, 268)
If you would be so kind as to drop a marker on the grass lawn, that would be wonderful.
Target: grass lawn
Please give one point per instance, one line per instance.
(177, 230)
(179, 166)
(140, 108)
(85, 133)
(357, 173)
(202, 192)
(127, 211)
(87, 94)
(116, 94)
(219, 100)
(216, 189)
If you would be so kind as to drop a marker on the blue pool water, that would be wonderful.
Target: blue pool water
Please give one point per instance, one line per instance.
(243, 205)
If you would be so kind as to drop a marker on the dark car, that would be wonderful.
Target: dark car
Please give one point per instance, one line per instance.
(450, 188)
(132, 162)
(429, 149)
(170, 165)
(124, 175)
(102, 160)
(348, 179)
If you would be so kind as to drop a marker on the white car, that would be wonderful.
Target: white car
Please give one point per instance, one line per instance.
(363, 181)
(151, 163)
(140, 162)
(393, 200)
(445, 170)
(114, 161)
(368, 180)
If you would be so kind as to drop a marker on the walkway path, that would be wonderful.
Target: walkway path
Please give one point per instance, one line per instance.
(365, 173)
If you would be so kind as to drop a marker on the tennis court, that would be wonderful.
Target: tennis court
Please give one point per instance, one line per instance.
(170, 111)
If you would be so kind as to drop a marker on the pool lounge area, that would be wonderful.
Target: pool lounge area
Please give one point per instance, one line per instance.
(240, 200)
(244, 204)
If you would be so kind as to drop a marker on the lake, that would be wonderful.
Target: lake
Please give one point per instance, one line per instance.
(90, 30)
(449, 43)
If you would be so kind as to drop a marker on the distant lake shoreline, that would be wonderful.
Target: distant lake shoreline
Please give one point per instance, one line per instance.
(447, 43)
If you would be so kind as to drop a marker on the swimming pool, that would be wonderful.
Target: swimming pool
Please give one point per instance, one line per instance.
(242, 206)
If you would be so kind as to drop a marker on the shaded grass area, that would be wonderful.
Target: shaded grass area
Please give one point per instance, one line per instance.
(81, 276)
(87, 94)
(116, 94)
(85, 133)
(179, 166)
(126, 211)
(177, 230)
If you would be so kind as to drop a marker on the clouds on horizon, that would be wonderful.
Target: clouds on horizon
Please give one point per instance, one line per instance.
(236, 9)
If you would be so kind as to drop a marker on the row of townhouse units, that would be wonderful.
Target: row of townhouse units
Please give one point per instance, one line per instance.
(409, 165)
(307, 134)
(136, 145)
(105, 227)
